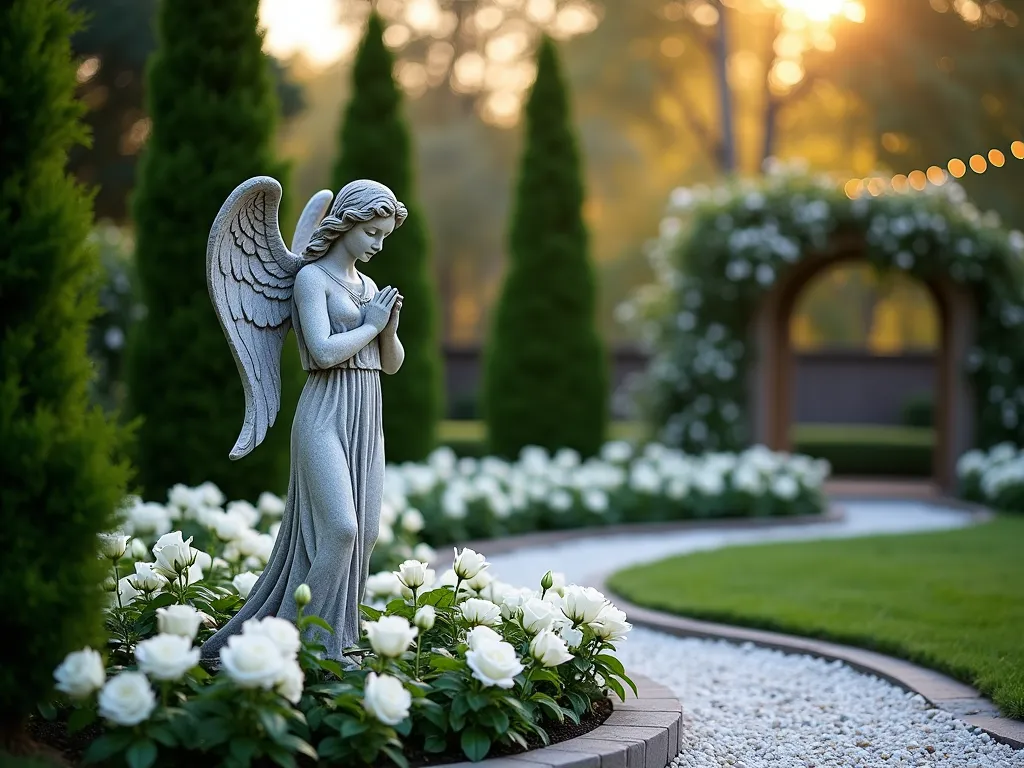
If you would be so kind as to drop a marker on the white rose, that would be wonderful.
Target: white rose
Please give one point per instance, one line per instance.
(412, 573)
(468, 563)
(583, 604)
(478, 636)
(147, 578)
(149, 518)
(244, 582)
(479, 582)
(210, 494)
(512, 600)
(390, 636)
(424, 552)
(204, 561)
(283, 633)
(252, 660)
(173, 553)
(383, 584)
(538, 615)
(477, 611)
(611, 624)
(573, 637)
(127, 699)
(290, 682)
(386, 698)
(80, 673)
(227, 527)
(244, 511)
(270, 505)
(412, 520)
(494, 664)
(166, 657)
(181, 620)
(385, 535)
(424, 618)
(126, 592)
(549, 649)
(113, 545)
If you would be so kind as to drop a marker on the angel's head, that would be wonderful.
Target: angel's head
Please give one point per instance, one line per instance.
(363, 213)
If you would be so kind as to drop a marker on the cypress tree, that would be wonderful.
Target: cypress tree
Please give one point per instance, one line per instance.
(213, 110)
(59, 483)
(374, 144)
(545, 371)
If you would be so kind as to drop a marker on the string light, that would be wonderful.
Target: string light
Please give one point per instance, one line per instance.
(935, 175)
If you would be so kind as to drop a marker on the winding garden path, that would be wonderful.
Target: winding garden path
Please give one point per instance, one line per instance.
(746, 705)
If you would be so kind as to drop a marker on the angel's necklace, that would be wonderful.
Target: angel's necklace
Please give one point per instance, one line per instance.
(360, 298)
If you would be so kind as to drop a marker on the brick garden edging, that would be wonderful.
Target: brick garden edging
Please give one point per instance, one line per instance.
(962, 700)
(641, 732)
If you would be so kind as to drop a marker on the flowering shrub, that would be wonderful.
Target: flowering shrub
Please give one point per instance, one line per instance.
(461, 662)
(447, 499)
(994, 477)
(721, 250)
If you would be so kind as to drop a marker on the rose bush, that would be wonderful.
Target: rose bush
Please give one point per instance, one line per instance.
(459, 661)
(994, 477)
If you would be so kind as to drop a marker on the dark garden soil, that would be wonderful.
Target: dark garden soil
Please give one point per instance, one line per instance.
(53, 735)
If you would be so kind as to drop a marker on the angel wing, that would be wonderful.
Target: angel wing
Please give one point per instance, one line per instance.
(250, 274)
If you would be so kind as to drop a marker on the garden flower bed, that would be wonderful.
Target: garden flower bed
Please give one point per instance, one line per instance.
(449, 668)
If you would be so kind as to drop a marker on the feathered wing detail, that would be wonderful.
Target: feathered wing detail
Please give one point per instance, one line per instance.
(250, 273)
(310, 219)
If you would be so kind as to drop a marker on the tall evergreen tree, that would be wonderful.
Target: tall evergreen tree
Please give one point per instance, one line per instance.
(375, 144)
(213, 108)
(59, 484)
(545, 370)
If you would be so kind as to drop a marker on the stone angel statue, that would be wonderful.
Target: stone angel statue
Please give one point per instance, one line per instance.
(347, 332)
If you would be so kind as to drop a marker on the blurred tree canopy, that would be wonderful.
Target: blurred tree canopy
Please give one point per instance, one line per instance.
(112, 49)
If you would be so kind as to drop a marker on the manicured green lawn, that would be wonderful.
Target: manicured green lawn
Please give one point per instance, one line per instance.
(953, 601)
(472, 430)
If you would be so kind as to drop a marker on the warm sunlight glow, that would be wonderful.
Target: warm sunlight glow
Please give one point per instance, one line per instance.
(824, 11)
(311, 28)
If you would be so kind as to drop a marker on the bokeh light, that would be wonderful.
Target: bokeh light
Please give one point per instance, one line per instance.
(957, 167)
(978, 164)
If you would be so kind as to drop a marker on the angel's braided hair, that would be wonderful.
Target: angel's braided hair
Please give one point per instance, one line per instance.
(356, 202)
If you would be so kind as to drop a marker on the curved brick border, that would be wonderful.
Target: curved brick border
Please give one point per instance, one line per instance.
(641, 732)
(962, 700)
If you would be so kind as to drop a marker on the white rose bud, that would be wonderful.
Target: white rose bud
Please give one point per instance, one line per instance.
(481, 635)
(113, 545)
(538, 615)
(494, 664)
(549, 649)
(424, 618)
(109, 584)
(283, 633)
(390, 636)
(252, 660)
(412, 573)
(147, 578)
(166, 657)
(480, 582)
(477, 611)
(173, 554)
(181, 620)
(139, 549)
(583, 604)
(468, 563)
(290, 682)
(383, 584)
(244, 582)
(81, 673)
(386, 698)
(127, 699)
(611, 624)
(303, 595)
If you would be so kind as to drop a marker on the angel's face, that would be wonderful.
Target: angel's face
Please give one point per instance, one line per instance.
(366, 239)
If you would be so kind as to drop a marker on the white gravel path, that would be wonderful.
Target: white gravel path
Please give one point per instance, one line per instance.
(754, 707)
